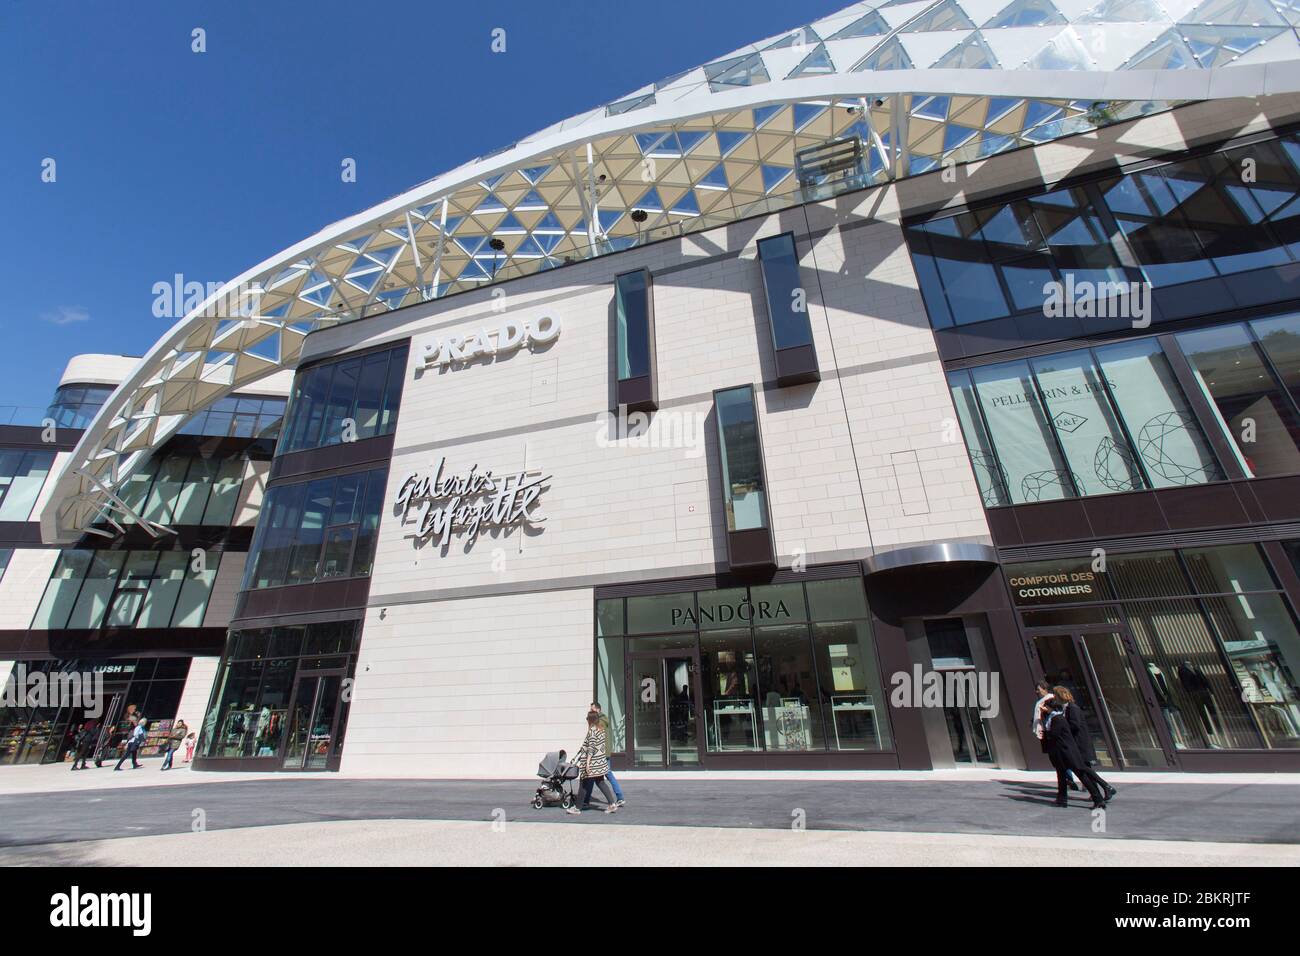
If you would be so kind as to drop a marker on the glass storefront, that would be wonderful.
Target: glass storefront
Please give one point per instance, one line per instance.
(349, 399)
(148, 686)
(281, 697)
(780, 668)
(1195, 649)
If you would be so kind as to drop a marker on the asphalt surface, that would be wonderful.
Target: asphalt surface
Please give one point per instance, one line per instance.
(1224, 813)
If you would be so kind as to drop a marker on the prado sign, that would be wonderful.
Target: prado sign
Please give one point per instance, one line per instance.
(510, 336)
(470, 503)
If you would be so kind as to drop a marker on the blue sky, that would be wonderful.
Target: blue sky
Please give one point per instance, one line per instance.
(170, 161)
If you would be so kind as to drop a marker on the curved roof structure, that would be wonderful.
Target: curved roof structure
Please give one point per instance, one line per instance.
(915, 83)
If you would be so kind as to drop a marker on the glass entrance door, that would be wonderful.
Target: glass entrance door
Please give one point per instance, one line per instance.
(968, 735)
(1101, 669)
(665, 710)
(313, 721)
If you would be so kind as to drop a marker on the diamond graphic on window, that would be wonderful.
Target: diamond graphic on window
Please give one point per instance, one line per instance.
(1068, 421)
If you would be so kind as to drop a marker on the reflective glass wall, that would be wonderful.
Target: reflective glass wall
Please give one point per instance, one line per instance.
(348, 399)
(22, 474)
(94, 589)
(1199, 217)
(1116, 417)
(315, 530)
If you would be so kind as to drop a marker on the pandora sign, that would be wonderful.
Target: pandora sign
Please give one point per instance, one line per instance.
(470, 503)
(510, 336)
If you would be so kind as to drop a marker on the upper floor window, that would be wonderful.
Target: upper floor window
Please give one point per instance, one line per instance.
(787, 300)
(1193, 219)
(1085, 422)
(94, 589)
(345, 400)
(75, 406)
(22, 475)
(634, 347)
(743, 487)
(1251, 373)
(312, 530)
(186, 490)
(238, 416)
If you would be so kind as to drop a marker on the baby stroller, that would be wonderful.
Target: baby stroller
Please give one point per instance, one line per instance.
(556, 772)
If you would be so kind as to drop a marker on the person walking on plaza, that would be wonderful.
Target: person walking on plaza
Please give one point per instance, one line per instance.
(1082, 739)
(1044, 690)
(83, 745)
(173, 743)
(189, 747)
(593, 764)
(1058, 742)
(588, 785)
(133, 744)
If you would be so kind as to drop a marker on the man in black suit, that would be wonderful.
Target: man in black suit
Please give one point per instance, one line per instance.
(1058, 742)
(1082, 739)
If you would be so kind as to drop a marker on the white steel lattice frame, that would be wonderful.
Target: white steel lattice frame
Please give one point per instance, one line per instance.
(920, 82)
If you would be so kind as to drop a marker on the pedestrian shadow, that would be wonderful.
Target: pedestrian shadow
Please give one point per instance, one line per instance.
(1028, 791)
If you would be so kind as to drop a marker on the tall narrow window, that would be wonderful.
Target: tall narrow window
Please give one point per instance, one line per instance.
(787, 310)
(744, 488)
(635, 342)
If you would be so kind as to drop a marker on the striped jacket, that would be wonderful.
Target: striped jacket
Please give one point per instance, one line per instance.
(592, 760)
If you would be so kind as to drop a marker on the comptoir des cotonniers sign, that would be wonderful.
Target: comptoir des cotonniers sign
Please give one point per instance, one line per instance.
(470, 503)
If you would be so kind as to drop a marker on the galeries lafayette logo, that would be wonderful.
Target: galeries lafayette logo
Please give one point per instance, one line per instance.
(470, 503)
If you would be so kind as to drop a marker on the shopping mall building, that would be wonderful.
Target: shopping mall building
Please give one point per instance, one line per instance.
(935, 346)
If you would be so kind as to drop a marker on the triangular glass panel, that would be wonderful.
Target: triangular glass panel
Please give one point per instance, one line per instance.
(971, 54)
(715, 178)
(804, 35)
(729, 140)
(490, 182)
(529, 247)
(1063, 52)
(452, 223)
(991, 143)
(1165, 52)
(686, 206)
(932, 107)
(805, 113)
(870, 25)
(688, 139)
(629, 104)
(547, 241)
(773, 176)
(607, 218)
(549, 223)
(947, 16)
(510, 225)
(649, 142)
(1218, 46)
(534, 174)
(649, 201)
(955, 136)
(383, 256)
(490, 203)
(816, 63)
(1026, 13)
(1039, 112)
(471, 244)
(746, 70)
(1125, 11)
(365, 281)
(999, 106)
(532, 200)
(1234, 13)
(764, 113)
(890, 55)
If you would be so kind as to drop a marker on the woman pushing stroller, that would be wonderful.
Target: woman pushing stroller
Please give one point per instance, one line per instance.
(594, 764)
